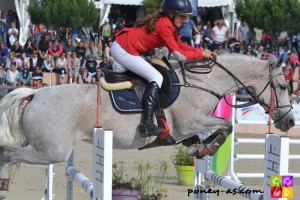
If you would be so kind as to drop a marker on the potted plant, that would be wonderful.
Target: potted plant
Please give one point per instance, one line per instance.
(184, 165)
(143, 186)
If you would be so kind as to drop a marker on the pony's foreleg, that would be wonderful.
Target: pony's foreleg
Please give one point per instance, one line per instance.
(32, 156)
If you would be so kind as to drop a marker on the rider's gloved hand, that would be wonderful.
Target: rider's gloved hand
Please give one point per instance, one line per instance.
(208, 54)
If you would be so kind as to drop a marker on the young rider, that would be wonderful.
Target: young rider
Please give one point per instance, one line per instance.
(155, 30)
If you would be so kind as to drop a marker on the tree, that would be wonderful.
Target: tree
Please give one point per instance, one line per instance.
(63, 13)
(150, 6)
(271, 15)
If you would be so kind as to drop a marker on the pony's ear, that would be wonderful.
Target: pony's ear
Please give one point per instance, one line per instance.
(279, 61)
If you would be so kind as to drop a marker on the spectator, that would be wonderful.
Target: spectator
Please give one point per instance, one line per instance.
(69, 47)
(220, 49)
(33, 61)
(25, 77)
(198, 21)
(74, 34)
(120, 24)
(74, 68)
(105, 33)
(293, 59)
(28, 48)
(2, 74)
(244, 34)
(17, 49)
(37, 77)
(249, 51)
(84, 77)
(235, 47)
(3, 53)
(186, 31)
(92, 50)
(260, 53)
(280, 51)
(107, 52)
(220, 34)
(43, 48)
(61, 66)
(84, 34)
(12, 75)
(80, 53)
(105, 64)
(55, 49)
(96, 77)
(198, 37)
(13, 33)
(12, 59)
(48, 64)
(3, 27)
(91, 65)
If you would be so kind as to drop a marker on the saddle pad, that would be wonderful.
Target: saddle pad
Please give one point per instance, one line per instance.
(126, 101)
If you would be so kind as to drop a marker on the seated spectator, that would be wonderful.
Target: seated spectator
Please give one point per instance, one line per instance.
(3, 53)
(2, 74)
(33, 61)
(37, 77)
(260, 53)
(17, 49)
(28, 48)
(293, 59)
(219, 50)
(25, 64)
(107, 53)
(84, 77)
(43, 49)
(92, 50)
(280, 51)
(55, 49)
(25, 77)
(48, 64)
(69, 46)
(74, 67)
(235, 47)
(61, 68)
(105, 64)
(12, 75)
(13, 34)
(81, 52)
(91, 65)
(249, 51)
(12, 59)
(96, 77)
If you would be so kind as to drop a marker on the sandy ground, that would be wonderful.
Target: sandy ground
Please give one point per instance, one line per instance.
(29, 182)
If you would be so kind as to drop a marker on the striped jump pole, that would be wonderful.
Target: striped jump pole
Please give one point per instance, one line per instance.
(101, 186)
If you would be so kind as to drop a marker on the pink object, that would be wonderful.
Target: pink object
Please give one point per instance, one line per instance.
(223, 110)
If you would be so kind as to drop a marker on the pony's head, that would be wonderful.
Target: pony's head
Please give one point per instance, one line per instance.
(282, 114)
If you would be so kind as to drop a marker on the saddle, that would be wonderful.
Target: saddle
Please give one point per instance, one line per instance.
(126, 89)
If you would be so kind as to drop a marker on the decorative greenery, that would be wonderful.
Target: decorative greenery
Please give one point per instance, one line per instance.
(63, 13)
(150, 187)
(270, 15)
(181, 158)
(150, 6)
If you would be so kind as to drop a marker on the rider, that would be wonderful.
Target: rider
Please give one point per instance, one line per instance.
(156, 30)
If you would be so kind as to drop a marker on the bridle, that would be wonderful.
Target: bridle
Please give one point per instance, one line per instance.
(205, 66)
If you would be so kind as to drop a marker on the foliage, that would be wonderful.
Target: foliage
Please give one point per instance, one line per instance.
(150, 6)
(63, 13)
(181, 158)
(150, 187)
(271, 15)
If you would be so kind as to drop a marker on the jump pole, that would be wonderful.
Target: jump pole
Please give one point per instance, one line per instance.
(101, 187)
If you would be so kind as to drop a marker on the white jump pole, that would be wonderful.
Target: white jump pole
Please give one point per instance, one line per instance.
(101, 187)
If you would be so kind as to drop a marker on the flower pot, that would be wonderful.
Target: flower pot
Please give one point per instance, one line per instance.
(185, 175)
(123, 194)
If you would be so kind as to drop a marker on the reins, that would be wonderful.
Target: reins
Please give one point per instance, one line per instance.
(206, 67)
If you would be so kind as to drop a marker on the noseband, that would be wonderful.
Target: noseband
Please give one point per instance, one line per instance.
(205, 66)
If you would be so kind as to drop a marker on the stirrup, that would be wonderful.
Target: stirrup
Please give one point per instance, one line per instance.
(150, 130)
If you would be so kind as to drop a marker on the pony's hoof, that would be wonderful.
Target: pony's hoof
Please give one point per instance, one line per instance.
(197, 150)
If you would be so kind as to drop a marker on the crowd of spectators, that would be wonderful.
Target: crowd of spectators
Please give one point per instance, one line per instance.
(77, 56)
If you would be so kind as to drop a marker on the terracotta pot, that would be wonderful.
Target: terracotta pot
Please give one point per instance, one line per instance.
(185, 175)
(123, 194)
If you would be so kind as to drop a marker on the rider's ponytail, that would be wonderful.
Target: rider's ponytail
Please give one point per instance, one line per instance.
(149, 20)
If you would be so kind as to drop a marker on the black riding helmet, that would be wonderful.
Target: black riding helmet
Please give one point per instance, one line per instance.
(182, 7)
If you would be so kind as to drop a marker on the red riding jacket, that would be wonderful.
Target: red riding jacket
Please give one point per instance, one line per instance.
(137, 41)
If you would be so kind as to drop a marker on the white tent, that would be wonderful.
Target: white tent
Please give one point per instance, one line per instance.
(21, 6)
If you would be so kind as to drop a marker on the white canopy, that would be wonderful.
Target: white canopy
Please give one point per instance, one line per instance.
(213, 3)
(21, 6)
(124, 2)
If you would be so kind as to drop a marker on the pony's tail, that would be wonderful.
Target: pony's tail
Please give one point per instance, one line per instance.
(11, 127)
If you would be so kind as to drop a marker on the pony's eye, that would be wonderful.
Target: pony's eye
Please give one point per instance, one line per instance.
(282, 86)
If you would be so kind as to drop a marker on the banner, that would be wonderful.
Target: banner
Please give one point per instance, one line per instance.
(195, 7)
(256, 114)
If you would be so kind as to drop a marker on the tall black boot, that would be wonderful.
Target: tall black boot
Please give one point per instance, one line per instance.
(149, 103)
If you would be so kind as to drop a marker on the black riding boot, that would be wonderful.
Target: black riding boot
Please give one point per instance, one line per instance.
(149, 103)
